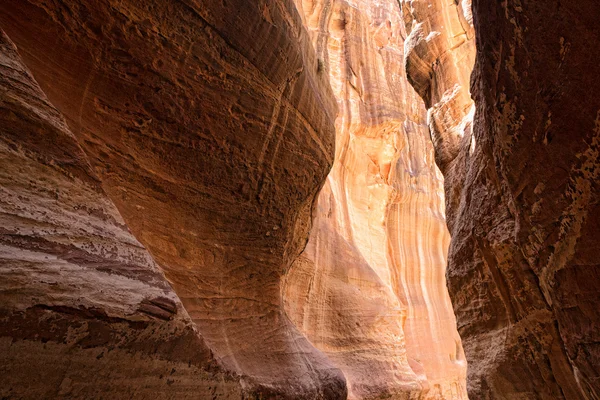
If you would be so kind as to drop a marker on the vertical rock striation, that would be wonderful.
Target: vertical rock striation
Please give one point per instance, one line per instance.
(522, 200)
(212, 131)
(84, 310)
(369, 289)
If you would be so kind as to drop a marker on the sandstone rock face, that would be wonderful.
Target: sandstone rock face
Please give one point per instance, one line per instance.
(369, 289)
(212, 132)
(193, 138)
(83, 307)
(522, 200)
(439, 56)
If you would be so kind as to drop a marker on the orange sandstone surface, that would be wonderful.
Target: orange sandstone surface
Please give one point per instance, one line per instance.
(369, 290)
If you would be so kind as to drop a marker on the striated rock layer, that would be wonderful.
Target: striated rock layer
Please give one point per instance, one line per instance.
(211, 131)
(369, 289)
(522, 196)
(83, 307)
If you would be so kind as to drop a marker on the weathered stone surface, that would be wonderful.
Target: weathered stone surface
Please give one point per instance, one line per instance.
(212, 131)
(84, 311)
(439, 55)
(522, 202)
(370, 290)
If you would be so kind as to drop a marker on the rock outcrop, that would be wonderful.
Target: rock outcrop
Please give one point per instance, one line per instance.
(521, 193)
(83, 307)
(370, 290)
(211, 130)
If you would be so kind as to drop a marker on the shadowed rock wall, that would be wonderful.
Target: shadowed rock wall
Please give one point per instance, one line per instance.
(84, 309)
(212, 132)
(522, 197)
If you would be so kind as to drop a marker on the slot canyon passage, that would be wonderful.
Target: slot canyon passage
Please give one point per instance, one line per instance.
(309, 199)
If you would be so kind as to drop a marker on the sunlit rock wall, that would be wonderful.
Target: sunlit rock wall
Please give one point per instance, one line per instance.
(369, 289)
(522, 191)
(439, 56)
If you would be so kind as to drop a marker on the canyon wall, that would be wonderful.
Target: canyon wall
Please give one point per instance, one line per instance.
(521, 189)
(162, 235)
(213, 147)
(83, 307)
(211, 131)
(369, 289)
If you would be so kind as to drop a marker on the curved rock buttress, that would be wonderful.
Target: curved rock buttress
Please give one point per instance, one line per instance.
(369, 290)
(522, 202)
(212, 132)
(439, 57)
(84, 310)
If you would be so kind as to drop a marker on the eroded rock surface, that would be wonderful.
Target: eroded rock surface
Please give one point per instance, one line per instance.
(522, 199)
(370, 290)
(84, 310)
(212, 131)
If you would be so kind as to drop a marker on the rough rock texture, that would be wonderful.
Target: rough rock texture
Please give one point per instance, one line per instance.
(370, 290)
(84, 310)
(212, 132)
(439, 55)
(522, 201)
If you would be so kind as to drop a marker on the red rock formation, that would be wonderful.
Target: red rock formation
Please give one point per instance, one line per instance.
(522, 200)
(83, 307)
(369, 290)
(212, 132)
(157, 96)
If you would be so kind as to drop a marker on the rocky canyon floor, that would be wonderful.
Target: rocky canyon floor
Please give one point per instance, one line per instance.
(300, 199)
